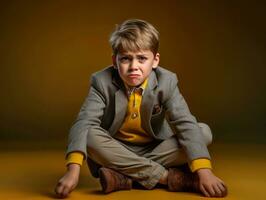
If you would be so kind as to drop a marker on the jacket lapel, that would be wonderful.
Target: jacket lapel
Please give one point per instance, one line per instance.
(148, 103)
(121, 102)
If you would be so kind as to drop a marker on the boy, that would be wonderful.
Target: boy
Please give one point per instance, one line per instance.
(135, 125)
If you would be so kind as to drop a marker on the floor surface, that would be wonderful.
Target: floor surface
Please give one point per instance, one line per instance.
(32, 174)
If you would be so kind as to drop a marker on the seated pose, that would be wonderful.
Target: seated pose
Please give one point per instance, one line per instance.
(135, 126)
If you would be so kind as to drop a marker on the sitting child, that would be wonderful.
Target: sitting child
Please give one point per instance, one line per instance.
(135, 125)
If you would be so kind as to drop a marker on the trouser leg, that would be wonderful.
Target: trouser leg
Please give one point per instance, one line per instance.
(108, 152)
(144, 165)
(170, 154)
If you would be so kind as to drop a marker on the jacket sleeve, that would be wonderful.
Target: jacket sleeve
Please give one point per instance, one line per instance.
(89, 116)
(184, 123)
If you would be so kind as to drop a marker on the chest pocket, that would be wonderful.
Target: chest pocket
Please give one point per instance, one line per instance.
(157, 117)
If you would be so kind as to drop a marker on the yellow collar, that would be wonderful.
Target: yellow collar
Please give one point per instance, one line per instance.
(139, 89)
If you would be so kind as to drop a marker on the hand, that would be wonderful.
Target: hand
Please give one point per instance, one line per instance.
(68, 182)
(210, 185)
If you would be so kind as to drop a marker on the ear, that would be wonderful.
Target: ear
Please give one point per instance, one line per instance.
(156, 60)
(114, 61)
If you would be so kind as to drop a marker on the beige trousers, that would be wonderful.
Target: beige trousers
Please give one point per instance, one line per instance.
(144, 164)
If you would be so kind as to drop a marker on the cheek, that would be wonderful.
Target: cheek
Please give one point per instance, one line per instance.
(122, 70)
(148, 68)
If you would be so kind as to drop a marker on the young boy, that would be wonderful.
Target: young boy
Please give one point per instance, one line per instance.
(135, 125)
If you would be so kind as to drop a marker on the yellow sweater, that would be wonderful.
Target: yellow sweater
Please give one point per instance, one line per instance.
(131, 130)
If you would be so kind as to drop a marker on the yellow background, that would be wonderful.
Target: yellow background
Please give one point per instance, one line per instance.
(49, 49)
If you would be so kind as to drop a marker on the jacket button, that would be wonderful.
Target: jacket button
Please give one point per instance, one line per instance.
(134, 115)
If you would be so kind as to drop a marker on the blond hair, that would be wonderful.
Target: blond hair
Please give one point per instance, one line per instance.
(134, 35)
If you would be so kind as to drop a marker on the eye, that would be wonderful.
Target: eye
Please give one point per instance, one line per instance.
(142, 58)
(124, 59)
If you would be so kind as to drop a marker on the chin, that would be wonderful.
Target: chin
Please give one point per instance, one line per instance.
(134, 84)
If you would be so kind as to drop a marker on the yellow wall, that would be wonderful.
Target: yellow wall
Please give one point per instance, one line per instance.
(48, 50)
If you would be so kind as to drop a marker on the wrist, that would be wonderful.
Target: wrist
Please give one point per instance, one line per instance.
(204, 171)
(73, 167)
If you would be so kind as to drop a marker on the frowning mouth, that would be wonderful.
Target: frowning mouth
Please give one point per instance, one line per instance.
(133, 75)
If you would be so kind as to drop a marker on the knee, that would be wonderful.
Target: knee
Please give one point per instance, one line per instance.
(96, 137)
(98, 145)
(206, 132)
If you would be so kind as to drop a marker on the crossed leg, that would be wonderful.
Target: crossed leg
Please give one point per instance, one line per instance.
(142, 164)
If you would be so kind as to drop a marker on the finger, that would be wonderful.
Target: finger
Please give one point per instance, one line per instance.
(225, 191)
(72, 187)
(59, 188)
(217, 190)
(61, 194)
(65, 191)
(221, 181)
(204, 191)
(210, 190)
(223, 186)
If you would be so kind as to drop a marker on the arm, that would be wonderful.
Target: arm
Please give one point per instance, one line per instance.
(191, 140)
(89, 116)
(184, 123)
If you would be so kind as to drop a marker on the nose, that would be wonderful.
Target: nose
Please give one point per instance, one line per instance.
(133, 64)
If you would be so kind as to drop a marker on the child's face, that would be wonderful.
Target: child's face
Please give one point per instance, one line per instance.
(135, 67)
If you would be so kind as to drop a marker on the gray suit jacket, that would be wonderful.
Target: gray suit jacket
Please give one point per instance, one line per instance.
(164, 112)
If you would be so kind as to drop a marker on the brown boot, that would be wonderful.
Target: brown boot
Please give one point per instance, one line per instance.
(112, 181)
(181, 181)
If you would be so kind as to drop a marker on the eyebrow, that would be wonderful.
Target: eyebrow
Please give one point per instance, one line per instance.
(122, 54)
